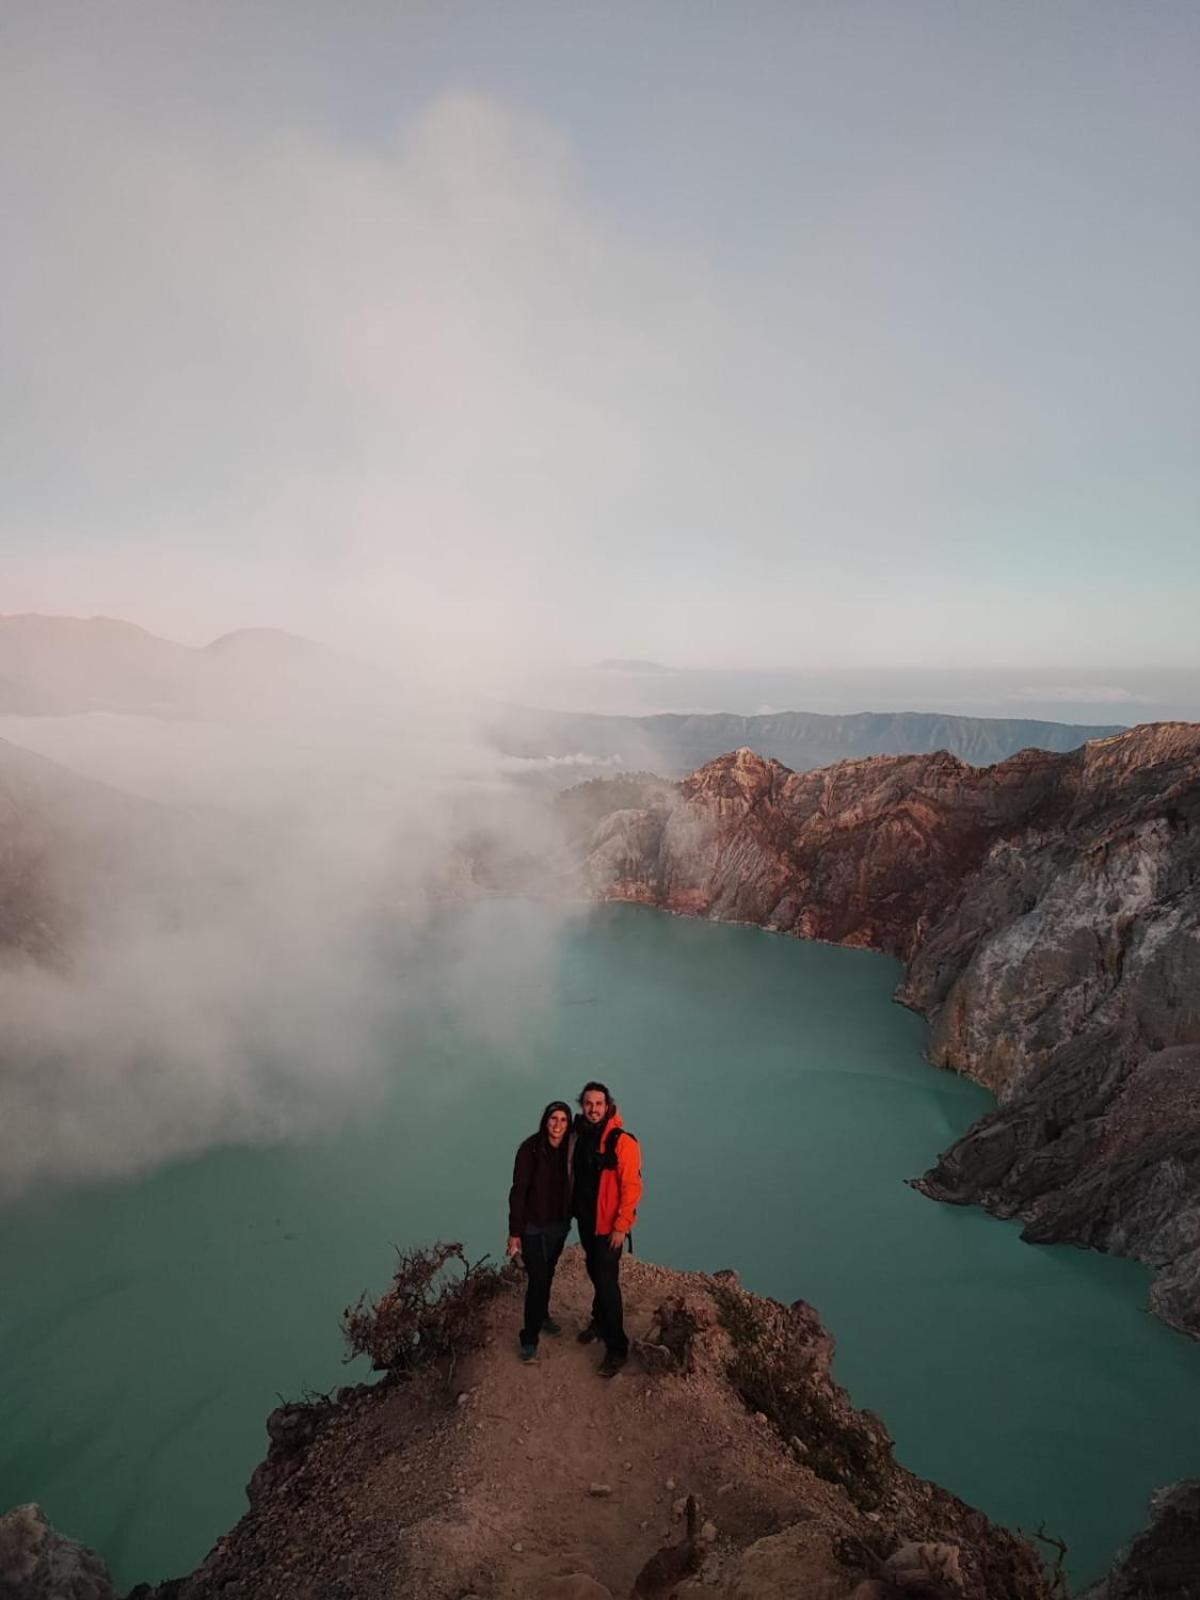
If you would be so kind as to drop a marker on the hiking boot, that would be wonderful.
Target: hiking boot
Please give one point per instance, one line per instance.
(588, 1335)
(550, 1326)
(528, 1352)
(612, 1364)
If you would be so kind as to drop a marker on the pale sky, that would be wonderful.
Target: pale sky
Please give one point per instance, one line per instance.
(770, 335)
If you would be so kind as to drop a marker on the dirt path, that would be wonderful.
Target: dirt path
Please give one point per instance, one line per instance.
(556, 1471)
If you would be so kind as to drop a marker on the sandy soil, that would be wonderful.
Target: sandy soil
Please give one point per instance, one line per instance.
(535, 1446)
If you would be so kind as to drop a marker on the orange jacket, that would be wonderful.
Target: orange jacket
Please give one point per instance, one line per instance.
(620, 1184)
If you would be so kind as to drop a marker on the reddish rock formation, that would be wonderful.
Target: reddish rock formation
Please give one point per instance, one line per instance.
(1049, 912)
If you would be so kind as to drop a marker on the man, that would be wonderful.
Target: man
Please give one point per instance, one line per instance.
(606, 1162)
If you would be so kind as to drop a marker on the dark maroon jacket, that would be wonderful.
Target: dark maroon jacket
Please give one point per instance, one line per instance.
(541, 1187)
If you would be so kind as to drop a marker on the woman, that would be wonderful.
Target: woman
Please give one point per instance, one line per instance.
(539, 1216)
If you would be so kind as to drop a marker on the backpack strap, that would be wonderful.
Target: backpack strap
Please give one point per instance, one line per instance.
(608, 1156)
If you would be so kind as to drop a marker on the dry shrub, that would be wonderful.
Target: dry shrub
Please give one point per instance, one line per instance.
(432, 1312)
(772, 1369)
(677, 1327)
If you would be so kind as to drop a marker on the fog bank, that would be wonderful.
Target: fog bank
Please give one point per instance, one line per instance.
(209, 946)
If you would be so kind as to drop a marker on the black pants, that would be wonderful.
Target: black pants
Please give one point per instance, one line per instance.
(539, 1257)
(604, 1269)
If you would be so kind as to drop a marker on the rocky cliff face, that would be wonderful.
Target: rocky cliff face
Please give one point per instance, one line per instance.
(1048, 909)
(1163, 1561)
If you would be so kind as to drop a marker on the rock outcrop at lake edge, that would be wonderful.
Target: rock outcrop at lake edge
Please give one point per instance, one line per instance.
(1162, 1562)
(1048, 909)
(38, 1563)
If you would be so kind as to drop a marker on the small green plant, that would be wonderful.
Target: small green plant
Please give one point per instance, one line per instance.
(432, 1312)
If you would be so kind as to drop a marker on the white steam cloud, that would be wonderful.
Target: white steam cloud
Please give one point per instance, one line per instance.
(224, 946)
(393, 396)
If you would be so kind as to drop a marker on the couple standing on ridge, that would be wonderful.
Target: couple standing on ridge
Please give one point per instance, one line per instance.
(591, 1171)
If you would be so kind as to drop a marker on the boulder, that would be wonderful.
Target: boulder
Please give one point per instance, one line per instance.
(921, 1568)
(38, 1564)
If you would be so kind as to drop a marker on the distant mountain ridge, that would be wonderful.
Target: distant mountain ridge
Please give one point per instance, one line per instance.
(674, 745)
(58, 666)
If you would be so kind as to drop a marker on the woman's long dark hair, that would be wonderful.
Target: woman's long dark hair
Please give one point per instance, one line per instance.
(543, 1136)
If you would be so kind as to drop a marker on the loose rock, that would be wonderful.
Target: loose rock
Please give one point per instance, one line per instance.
(916, 1566)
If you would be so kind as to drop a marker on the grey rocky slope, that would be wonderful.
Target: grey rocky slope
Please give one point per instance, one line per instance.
(1049, 912)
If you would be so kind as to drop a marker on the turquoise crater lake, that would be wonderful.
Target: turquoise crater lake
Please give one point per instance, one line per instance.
(147, 1327)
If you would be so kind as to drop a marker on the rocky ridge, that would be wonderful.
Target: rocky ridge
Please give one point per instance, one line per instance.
(676, 742)
(1048, 911)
